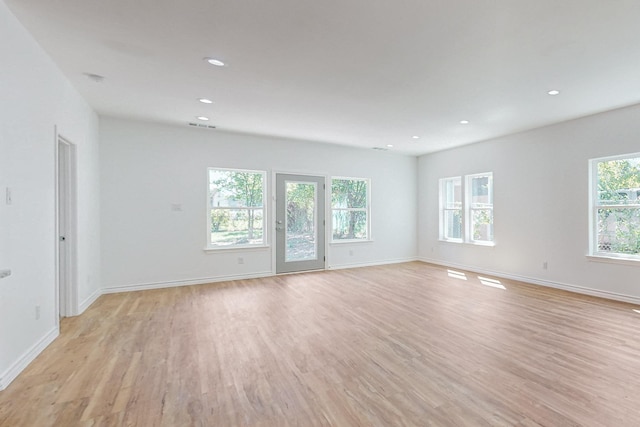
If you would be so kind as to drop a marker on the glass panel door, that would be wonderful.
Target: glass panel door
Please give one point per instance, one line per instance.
(300, 223)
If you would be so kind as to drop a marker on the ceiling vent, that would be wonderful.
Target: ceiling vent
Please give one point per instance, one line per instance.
(200, 125)
(380, 148)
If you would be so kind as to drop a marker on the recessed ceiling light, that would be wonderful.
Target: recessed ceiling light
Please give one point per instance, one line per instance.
(215, 62)
(464, 122)
(554, 92)
(390, 145)
(205, 101)
(203, 118)
(415, 137)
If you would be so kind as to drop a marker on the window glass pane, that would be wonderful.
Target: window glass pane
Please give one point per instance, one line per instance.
(236, 226)
(619, 231)
(300, 232)
(235, 189)
(453, 193)
(349, 193)
(349, 224)
(481, 193)
(619, 182)
(453, 224)
(482, 224)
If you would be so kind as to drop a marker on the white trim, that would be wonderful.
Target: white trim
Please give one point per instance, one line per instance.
(372, 264)
(547, 283)
(188, 282)
(236, 248)
(347, 242)
(29, 356)
(471, 242)
(205, 280)
(614, 260)
(89, 300)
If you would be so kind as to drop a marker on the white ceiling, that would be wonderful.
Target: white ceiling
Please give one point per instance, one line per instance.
(358, 72)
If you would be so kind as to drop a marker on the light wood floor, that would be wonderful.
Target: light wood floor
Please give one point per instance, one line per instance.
(400, 345)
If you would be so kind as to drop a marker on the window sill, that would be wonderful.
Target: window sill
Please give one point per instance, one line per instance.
(346, 242)
(614, 260)
(488, 244)
(235, 248)
(450, 241)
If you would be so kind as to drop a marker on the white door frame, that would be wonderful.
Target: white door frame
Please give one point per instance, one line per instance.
(272, 219)
(66, 228)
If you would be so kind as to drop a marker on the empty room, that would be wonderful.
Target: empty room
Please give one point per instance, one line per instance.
(295, 213)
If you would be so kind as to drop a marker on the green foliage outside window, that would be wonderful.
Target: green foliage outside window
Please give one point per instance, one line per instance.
(618, 212)
(236, 207)
(349, 206)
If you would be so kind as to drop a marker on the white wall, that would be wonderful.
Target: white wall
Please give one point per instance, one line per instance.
(145, 168)
(541, 204)
(35, 98)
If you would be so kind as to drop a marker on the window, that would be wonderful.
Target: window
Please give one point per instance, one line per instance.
(480, 208)
(350, 209)
(615, 206)
(466, 214)
(451, 199)
(236, 208)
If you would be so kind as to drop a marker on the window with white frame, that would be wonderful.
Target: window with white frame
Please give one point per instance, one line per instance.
(236, 208)
(480, 207)
(451, 209)
(615, 206)
(350, 209)
(466, 208)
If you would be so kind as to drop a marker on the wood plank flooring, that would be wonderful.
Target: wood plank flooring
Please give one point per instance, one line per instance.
(399, 345)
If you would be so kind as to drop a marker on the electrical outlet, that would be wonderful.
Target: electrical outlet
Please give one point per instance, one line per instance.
(37, 312)
(240, 260)
(545, 265)
(350, 253)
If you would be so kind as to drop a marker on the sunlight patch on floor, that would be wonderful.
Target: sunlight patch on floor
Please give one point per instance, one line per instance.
(491, 282)
(457, 274)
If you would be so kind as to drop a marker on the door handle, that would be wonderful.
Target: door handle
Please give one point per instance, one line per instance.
(63, 238)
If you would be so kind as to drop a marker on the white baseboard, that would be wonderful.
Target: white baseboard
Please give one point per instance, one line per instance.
(548, 283)
(371, 264)
(10, 374)
(176, 283)
(90, 300)
(205, 280)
